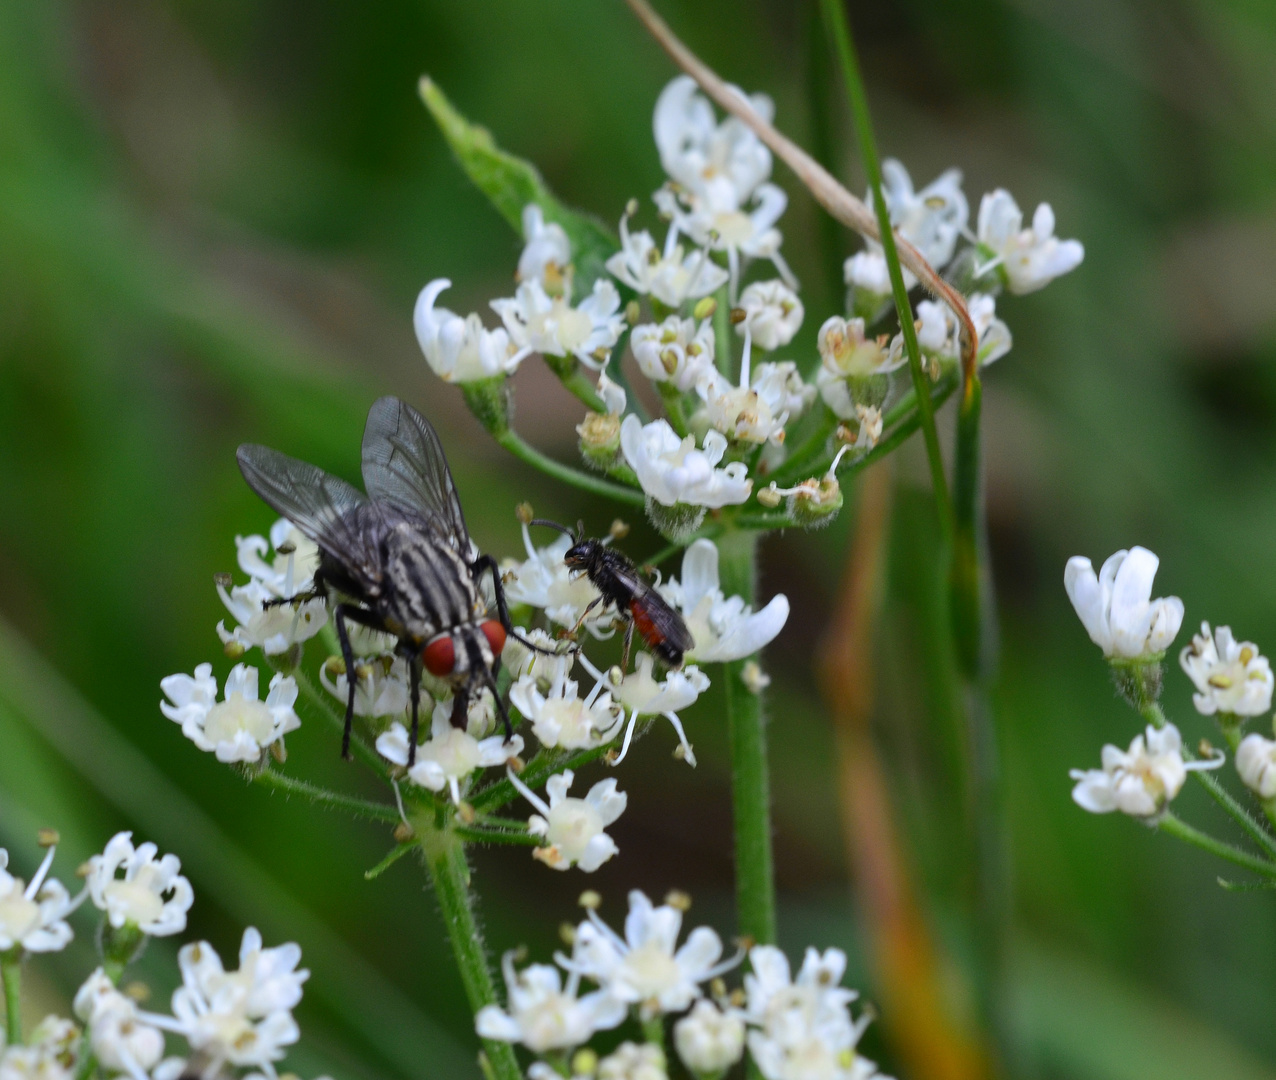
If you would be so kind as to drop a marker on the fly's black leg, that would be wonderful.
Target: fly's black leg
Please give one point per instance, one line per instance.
(414, 675)
(461, 707)
(487, 562)
(300, 598)
(347, 654)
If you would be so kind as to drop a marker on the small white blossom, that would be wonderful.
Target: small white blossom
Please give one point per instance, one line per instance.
(675, 351)
(772, 314)
(847, 357)
(1116, 606)
(240, 1018)
(646, 967)
(461, 350)
(382, 686)
(449, 755)
(709, 1040)
(672, 470)
(931, 219)
(1229, 676)
(51, 1053)
(547, 254)
(639, 694)
(545, 581)
(867, 270)
(239, 727)
(152, 893)
(122, 1041)
(724, 629)
(543, 1014)
(1139, 781)
(273, 629)
(292, 569)
(33, 917)
(671, 277)
(561, 718)
(803, 1026)
(1030, 258)
(697, 151)
(632, 1061)
(1256, 765)
(550, 325)
(756, 409)
(937, 334)
(573, 828)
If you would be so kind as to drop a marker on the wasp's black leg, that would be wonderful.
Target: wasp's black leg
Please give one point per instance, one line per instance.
(585, 615)
(487, 562)
(414, 691)
(347, 654)
(629, 640)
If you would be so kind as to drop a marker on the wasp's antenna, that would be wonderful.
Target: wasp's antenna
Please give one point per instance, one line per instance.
(554, 525)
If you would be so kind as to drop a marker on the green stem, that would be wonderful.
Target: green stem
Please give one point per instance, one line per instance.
(722, 332)
(840, 32)
(474, 835)
(1152, 714)
(583, 389)
(331, 799)
(337, 721)
(444, 856)
(512, 442)
(393, 856)
(1183, 831)
(11, 976)
(750, 784)
(672, 398)
(653, 1031)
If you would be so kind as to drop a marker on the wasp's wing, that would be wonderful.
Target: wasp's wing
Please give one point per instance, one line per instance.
(318, 503)
(404, 465)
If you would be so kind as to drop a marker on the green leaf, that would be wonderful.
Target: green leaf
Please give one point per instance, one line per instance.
(511, 183)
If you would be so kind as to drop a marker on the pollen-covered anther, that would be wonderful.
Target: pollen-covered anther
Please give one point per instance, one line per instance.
(678, 900)
(523, 513)
(619, 529)
(590, 900)
(48, 838)
(770, 496)
(704, 308)
(738, 315)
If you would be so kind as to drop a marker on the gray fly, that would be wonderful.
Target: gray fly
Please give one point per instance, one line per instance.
(397, 560)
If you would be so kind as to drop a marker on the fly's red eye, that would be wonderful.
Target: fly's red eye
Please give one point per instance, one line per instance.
(439, 656)
(495, 634)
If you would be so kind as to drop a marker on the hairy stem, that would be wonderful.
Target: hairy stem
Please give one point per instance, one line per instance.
(595, 485)
(750, 783)
(11, 976)
(840, 31)
(333, 800)
(444, 856)
(1183, 831)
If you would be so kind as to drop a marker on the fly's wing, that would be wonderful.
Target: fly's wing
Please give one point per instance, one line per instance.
(318, 503)
(404, 465)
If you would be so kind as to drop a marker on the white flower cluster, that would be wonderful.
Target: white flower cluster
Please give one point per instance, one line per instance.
(1232, 681)
(235, 1023)
(792, 1027)
(727, 419)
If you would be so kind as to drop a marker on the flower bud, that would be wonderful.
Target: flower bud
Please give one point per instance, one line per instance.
(816, 502)
(599, 439)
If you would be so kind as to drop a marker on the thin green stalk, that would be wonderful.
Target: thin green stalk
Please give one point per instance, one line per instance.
(392, 856)
(672, 398)
(750, 783)
(444, 856)
(1152, 714)
(653, 1031)
(595, 485)
(333, 800)
(11, 976)
(583, 389)
(840, 31)
(474, 835)
(336, 720)
(722, 332)
(1183, 831)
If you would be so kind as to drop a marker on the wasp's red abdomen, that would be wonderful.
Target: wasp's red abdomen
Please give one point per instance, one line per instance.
(651, 633)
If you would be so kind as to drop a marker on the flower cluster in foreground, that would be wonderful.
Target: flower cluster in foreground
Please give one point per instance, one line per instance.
(792, 1026)
(234, 1023)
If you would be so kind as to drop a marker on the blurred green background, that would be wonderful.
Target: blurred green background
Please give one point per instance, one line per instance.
(214, 219)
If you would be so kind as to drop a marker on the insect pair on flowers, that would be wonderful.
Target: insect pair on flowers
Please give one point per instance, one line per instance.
(399, 561)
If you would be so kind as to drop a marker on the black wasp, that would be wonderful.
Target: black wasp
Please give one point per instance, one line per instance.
(398, 560)
(620, 584)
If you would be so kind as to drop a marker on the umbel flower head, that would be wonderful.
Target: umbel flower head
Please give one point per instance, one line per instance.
(1116, 607)
(122, 1041)
(1140, 781)
(132, 886)
(1229, 676)
(240, 727)
(450, 755)
(52, 1052)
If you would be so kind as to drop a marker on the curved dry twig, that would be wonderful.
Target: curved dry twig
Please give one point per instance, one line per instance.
(830, 194)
